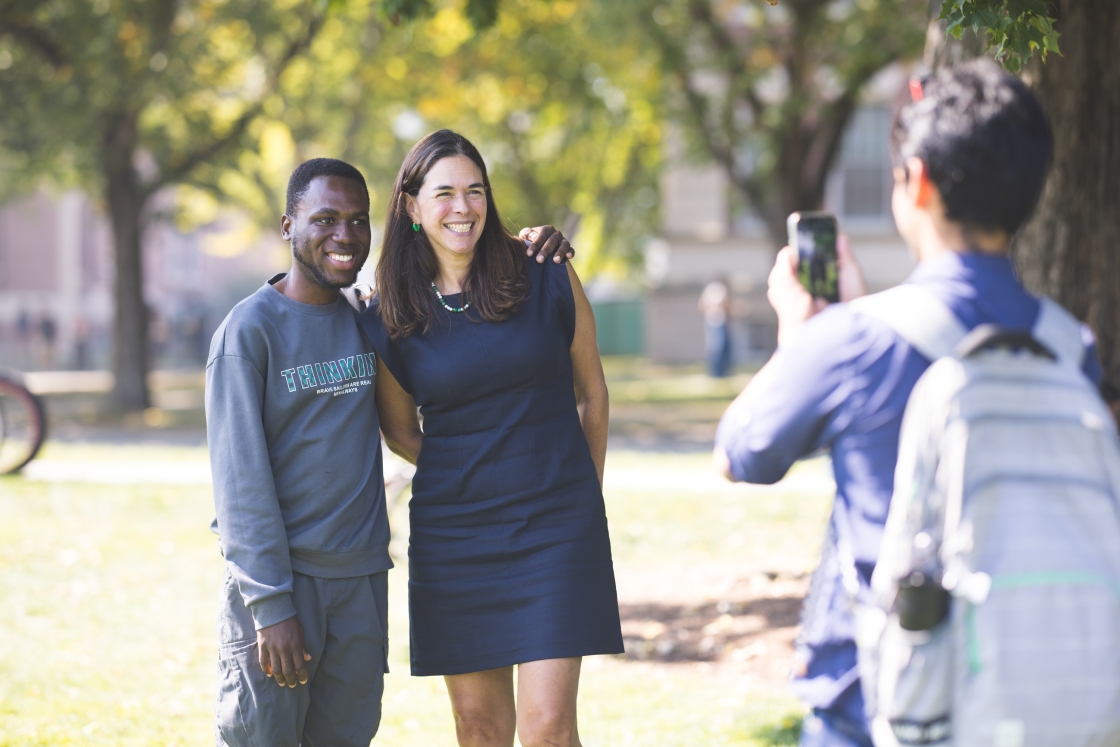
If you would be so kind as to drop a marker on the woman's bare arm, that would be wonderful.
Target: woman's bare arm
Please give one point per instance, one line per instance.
(590, 384)
(396, 409)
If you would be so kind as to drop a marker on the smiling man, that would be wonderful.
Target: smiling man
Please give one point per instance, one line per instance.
(298, 491)
(298, 487)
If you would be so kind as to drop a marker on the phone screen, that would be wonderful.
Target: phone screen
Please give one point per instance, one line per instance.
(813, 235)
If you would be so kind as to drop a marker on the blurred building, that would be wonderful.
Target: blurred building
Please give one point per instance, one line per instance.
(707, 232)
(56, 275)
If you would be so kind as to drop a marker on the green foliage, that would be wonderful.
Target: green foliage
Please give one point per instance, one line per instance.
(567, 116)
(226, 96)
(482, 13)
(408, 10)
(1016, 28)
(174, 84)
(568, 123)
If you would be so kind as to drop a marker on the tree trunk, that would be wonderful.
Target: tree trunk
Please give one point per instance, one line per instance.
(125, 198)
(1070, 250)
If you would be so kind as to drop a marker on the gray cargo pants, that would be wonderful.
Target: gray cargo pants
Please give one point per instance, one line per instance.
(344, 628)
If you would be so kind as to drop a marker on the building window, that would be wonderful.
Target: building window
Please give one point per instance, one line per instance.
(864, 165)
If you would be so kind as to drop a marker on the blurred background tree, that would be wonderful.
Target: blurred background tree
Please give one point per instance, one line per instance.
(125, 98)
(767, 92)
(220, 99)
(169, 108)
(568, 123)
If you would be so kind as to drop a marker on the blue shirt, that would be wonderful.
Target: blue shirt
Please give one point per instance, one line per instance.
(842, 383)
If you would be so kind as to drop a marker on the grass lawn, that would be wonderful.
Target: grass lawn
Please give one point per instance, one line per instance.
(109, 595)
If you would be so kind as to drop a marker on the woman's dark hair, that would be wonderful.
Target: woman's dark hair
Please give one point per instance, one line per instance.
(985, 140)
(496, 283)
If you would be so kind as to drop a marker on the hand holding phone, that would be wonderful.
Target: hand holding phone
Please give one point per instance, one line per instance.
(812, 236)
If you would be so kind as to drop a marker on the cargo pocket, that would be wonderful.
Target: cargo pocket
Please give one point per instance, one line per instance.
(235, 620)
(241, 702)
(230, 722)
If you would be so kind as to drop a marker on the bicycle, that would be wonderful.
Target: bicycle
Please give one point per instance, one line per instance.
(23, 423)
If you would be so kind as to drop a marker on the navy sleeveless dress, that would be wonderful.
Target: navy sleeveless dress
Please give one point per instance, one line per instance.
(509, 558)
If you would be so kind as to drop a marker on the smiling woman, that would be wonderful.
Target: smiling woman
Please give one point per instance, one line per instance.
(443, 227)
(509, 555)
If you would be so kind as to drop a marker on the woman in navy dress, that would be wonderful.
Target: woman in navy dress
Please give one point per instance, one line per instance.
(509, 556)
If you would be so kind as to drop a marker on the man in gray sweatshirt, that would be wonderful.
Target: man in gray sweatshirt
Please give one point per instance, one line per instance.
(296, 460)
(298, 487)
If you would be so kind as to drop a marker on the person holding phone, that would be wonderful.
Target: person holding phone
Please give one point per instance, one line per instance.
(970, 154)
(509, 556)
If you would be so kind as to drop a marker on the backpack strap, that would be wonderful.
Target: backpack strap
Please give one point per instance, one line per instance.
(917, 316)
(1060, 332)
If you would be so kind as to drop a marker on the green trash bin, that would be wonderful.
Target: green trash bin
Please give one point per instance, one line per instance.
(620, 327)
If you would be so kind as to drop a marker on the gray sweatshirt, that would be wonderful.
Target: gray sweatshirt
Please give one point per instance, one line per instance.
(294, 448)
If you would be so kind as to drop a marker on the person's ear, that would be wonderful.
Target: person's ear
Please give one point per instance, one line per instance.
(919, 188)
(286, 227)
(411, 207)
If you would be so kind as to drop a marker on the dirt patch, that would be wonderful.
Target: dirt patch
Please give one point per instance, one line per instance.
(751, 628)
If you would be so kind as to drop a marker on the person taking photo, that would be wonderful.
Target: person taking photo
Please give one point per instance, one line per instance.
(970, 157)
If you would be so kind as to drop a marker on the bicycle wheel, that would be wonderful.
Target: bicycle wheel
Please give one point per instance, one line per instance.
(22, 426)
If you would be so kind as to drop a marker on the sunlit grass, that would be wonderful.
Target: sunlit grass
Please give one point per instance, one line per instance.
(87, 452)
(109, 596)
(711, 520)
(632, 379)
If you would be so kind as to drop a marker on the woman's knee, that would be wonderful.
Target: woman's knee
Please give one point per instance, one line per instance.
(480, 727)
(547, 727)
(483, 706)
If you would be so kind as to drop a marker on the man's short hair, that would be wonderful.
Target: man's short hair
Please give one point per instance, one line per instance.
(301, 178)
(985, 141)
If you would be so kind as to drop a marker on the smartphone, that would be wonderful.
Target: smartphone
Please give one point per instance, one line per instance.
(813, 237)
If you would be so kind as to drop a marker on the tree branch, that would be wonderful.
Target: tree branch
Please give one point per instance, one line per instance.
(718, 145)
(733, 59)
(208, 151)
(697, 103)
(701, 12)
(163, 17)
(34, 38)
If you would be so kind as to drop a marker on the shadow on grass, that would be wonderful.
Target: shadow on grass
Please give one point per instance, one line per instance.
(701, 632)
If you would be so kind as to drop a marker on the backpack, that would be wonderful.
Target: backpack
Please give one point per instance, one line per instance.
(997, 590)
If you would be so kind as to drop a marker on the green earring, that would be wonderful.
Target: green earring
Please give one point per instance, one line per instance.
(416, 227)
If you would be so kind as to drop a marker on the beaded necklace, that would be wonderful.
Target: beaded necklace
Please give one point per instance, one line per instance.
(439, 295)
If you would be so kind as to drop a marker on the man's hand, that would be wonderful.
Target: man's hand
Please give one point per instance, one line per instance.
(546, 241)
(850, 274)
(793, 303)
(281, 652)
(722, 463)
